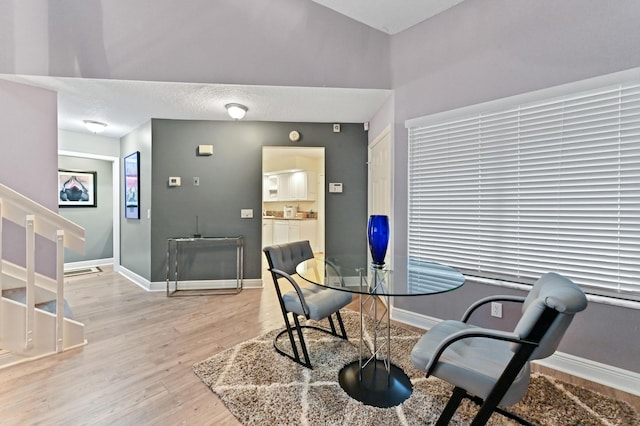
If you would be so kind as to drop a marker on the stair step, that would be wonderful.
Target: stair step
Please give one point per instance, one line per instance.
(46, 304)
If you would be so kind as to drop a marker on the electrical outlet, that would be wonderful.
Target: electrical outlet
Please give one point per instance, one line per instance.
(496, 309)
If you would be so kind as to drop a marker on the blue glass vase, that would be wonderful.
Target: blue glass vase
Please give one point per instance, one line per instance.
(378, 236)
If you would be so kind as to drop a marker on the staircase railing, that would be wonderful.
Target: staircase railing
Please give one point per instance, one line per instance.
(39, 220)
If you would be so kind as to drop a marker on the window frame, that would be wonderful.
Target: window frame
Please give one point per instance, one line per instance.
(514, 106)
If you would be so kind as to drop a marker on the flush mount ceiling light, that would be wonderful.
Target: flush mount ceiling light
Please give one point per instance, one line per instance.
(236, 111)
(95, 126)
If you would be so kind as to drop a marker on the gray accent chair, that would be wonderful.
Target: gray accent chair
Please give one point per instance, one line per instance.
(312, 302)
(492, 367)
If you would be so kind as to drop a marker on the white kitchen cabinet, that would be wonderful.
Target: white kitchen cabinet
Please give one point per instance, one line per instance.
(302, 186)
(267, 232)
(276, 187)
(309, 231)
(294, 230)
(271, 186)
(289, 186)
(280, 231)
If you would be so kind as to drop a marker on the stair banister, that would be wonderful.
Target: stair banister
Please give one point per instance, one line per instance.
(37, 220)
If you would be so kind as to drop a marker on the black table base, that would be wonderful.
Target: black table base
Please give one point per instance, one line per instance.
(377, 387)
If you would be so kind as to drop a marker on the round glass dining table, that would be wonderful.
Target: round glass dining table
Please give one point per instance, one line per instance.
(373, 379)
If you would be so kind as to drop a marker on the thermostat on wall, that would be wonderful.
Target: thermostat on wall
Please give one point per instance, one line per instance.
(335, 187)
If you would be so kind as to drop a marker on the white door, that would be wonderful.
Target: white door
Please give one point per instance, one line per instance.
(380, 180)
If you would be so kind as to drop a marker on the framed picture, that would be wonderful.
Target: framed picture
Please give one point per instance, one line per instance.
(77, 188)
(132, 186)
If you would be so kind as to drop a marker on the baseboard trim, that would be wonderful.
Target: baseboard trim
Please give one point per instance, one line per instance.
(607, 375)
(88, 264)
(141, 282)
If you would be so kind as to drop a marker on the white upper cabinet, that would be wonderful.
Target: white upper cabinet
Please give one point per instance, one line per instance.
(290, 186)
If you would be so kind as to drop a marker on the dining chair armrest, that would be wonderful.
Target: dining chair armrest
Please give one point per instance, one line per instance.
(296, 287)
(488, 299)
(472, 332)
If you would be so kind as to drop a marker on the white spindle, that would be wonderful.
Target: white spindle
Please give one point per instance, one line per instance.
(60, 291)
(30, 237)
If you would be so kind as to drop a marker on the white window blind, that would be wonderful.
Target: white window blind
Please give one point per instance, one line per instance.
(546, 186)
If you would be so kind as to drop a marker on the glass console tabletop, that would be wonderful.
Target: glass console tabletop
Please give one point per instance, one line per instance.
(373, 379)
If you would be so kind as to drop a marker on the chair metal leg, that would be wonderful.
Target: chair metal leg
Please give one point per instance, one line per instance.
(294, 347)
(341, 324)
(307, 362)
(449, 410)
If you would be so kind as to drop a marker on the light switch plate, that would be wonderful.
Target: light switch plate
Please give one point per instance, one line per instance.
(246, 213)
(174, 181)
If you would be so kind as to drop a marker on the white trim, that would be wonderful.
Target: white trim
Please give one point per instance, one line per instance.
(115, 171)
(607, 375)
(88, 264)
(413, 319)
(138, 280)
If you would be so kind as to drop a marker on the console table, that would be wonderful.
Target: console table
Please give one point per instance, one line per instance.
(176, 248)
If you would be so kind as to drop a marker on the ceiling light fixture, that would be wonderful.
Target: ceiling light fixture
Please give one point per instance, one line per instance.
(95, 126)
(236, 111)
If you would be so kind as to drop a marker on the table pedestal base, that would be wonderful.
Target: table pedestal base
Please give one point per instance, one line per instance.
(378, 387)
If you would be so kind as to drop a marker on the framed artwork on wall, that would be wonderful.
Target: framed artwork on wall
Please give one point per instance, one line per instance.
(132, 186)
(77, 188)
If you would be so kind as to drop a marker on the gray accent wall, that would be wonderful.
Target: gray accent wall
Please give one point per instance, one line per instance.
(231, 180)
(96, 221)
(483, 50)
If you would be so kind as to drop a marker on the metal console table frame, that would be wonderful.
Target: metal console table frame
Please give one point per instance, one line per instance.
(175, 243)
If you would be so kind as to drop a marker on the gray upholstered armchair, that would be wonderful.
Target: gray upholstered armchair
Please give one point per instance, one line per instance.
(492, 367)
(316, 303)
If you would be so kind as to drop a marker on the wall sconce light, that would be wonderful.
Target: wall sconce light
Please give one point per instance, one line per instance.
(236, 111)
(95, 126)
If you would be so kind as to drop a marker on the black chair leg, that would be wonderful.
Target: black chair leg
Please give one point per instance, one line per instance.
(307, 360)
(294, 347)
(449, 410)
(341, 324)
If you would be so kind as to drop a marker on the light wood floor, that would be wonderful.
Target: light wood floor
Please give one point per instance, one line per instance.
(136, 369)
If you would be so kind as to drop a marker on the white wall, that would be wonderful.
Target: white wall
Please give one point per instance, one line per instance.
(29, 160)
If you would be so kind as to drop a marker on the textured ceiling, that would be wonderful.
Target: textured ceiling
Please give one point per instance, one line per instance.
(125, 105)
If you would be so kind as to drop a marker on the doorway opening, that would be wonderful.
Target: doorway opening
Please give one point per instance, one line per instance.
(293, 199)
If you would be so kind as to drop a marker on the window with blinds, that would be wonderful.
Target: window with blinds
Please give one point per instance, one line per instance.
(547, 186)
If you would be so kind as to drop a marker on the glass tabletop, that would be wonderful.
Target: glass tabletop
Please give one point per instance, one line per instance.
(426, 277)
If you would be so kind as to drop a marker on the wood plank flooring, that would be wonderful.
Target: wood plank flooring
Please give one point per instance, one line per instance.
(136, 369)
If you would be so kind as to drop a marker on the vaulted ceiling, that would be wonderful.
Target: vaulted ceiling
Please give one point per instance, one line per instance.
(124, 105)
